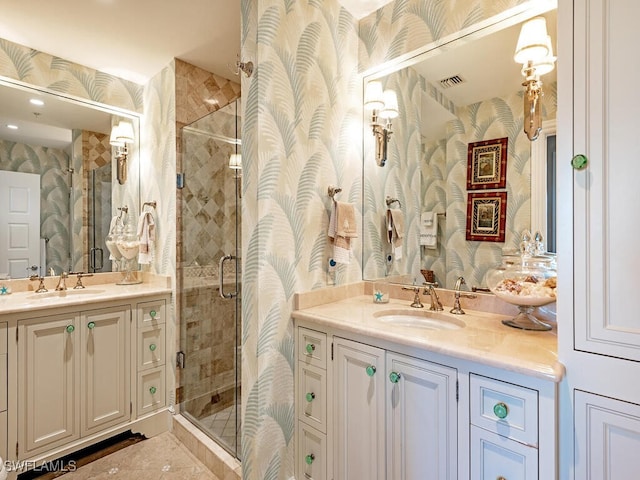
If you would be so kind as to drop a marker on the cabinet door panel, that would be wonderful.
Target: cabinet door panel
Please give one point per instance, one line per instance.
(359, 411)
(605, 194)
(105, 368)
(49, 390)
(421, 419)
(608, 437)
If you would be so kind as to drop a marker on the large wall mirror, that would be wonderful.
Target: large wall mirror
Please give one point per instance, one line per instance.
(469, 90)
(58, 182)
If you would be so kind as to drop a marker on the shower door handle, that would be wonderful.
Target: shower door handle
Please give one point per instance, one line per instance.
(220, 278)
(93, 256)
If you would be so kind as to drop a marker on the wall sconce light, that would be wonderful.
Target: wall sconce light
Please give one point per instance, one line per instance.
(121, 135)
(535, 52)
(384, 107)
(235, 163)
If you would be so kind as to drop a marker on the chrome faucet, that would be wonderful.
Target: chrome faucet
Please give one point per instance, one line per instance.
(416, 297)
(62, 285)
(457, 309)
(436, 305)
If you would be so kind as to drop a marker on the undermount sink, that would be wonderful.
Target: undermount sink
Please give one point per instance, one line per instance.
(426, 319)
(69, 293)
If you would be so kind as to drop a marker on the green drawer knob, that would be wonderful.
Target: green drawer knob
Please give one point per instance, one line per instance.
(153, 314)
(310, 397)
(309, 458)
(371, 370)
(91, 325)
(579, 162)
(70, 328)
(501, 410)
(394, 377)
(153, 347)
(310, 348)
(153, 390)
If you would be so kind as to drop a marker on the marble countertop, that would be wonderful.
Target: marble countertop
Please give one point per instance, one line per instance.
(23, 301)
(483, 338)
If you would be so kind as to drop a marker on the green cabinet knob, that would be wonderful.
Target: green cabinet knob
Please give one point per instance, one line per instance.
(501, 410)
(70, 328)
(153, 390)
(394, 377)
(310, 348)
(579, 162)
(152, 347)
(309, 458)
(153, 314)
(310, 396)
(91, 325)
(371, 370)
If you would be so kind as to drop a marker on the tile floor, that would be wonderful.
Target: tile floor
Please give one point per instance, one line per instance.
(162, 457)
(223, 425)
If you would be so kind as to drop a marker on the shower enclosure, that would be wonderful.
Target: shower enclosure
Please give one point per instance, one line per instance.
(210, 277)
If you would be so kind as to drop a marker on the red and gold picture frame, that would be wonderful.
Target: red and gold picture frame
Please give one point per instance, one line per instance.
(486, 216)
(487, 164)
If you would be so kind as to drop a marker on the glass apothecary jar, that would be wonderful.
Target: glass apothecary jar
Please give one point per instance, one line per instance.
(527, 281)
(128, 245)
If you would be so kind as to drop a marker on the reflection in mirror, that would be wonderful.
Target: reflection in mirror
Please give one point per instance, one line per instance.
(57, 185)
(464, 92)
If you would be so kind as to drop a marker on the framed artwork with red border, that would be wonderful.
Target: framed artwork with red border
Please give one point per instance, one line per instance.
(487, 164)
(486, 216)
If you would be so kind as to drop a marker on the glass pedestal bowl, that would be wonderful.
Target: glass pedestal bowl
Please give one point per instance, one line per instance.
(527, 282)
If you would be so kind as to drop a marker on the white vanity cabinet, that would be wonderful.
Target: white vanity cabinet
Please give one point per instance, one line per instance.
(390, 416)
(599, 331)
(74, 373)
(81, 372)
(390, 411)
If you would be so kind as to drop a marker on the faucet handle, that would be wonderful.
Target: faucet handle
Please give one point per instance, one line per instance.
(79, 281)
(416, 297)
(41, 287)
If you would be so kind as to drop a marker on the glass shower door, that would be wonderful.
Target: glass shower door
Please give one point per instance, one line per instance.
(209, 271)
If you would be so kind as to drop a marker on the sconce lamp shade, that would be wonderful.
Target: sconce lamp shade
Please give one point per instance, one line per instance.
(373, 97)
(121, 134)
(532, 42)
(125, 132)
(390, 109)
(235, 161)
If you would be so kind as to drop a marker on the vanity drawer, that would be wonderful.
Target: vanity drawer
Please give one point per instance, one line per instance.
(151, 390)
(504, 408)
(151, 347)
(312, 453)
(312, 396)
(312, 347)
(496, 457)
(151, 313)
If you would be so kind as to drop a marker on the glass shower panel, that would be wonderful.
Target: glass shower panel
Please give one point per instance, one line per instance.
(99, 218)
(210, 303)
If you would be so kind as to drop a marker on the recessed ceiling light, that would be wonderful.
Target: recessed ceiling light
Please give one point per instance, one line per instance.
(36, 101)
(12, 127)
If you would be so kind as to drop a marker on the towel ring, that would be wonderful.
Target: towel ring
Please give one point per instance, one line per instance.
(390, 200)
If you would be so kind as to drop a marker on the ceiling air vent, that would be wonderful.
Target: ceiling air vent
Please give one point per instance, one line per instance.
(451, 81)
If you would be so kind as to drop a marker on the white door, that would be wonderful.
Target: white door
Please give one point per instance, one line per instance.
(421, 419)
(19, 223)
(359, 411)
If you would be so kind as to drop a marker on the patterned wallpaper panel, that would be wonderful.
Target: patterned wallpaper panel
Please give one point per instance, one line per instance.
(55, 74)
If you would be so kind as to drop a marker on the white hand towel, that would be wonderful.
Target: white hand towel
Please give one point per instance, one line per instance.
(429, 229)
(146, 237)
